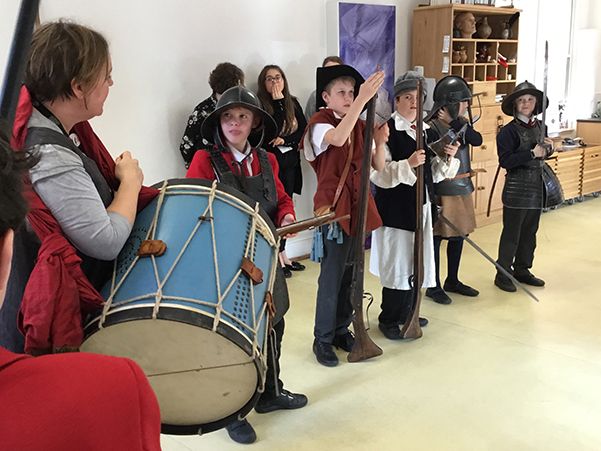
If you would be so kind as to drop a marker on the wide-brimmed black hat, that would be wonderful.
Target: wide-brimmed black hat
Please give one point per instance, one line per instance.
(326, 74)
(239, 96)
(524, 88)
(450, 91)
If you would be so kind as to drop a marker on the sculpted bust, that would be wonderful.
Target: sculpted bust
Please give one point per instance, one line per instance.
(466, 24)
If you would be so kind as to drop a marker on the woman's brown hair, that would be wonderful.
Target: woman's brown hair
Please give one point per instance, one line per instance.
(61, 53)
(290, 122)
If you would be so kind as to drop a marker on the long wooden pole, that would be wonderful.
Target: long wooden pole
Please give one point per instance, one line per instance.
(364, 348)
(411, 328)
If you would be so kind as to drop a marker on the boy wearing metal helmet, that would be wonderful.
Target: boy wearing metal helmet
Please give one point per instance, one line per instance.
(237, 121)
(333, 145)
(451, 101)
(392, 244)
(530, 185)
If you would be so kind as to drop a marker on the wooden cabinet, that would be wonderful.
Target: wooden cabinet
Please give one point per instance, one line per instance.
(578, 171)
(591, 170)
(433, 46)
(589, 130)
(483, 184)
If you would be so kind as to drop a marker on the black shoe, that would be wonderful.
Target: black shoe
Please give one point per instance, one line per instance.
(438, 295)
(287, 272)
(295, 266)
(394, 332)
(241, 431)
(505, 284)
(286, 400)
(390, 332)
(460, 288)
(529, 279)
(345, 341)
(324, 353)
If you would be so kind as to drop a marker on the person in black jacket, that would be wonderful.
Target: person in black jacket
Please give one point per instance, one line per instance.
(451, 101)
(530, 185)
(284, 108)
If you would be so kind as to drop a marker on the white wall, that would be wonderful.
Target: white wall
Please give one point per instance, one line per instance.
(163, 52)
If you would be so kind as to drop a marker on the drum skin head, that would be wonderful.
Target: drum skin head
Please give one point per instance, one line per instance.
(193, 387)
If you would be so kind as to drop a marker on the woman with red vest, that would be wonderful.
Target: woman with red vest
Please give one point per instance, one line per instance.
(83, 203)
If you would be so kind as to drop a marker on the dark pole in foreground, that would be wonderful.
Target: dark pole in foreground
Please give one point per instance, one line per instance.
(13, 77)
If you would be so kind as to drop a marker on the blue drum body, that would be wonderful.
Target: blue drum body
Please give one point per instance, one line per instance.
(190, 318)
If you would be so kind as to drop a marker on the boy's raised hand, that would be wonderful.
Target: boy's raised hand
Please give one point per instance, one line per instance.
(381, 134)
(370, 87)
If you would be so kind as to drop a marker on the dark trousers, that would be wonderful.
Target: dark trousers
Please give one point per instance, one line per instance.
(518, 239)
(274, 350)
(396, 307)
(454, 250)
(333, 310)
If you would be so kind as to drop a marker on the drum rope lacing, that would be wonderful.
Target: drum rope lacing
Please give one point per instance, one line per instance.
(256, 226)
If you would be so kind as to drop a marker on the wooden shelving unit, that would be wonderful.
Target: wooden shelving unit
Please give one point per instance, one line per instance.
(433, 45)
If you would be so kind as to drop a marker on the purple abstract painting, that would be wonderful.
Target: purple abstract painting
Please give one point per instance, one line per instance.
(367, 38)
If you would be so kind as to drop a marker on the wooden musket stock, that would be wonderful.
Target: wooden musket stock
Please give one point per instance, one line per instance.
(305, 224)
(411, 328)
(364, 347)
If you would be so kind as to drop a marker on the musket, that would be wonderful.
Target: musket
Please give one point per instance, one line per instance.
(15, 67)
(411, 328)
(310, 223)
(364, 347)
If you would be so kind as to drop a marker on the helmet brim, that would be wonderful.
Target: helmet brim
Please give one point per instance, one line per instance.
(268, 124)
(508, 102)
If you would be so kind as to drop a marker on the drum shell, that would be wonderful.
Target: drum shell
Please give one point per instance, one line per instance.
(178, 295)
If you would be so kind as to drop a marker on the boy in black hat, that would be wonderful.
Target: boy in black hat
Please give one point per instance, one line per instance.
(530, 185)
(451, 101)
(392, 244)
(238, 119)
(333, 144)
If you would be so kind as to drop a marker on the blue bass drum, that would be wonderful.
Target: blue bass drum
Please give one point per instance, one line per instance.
(192, 320)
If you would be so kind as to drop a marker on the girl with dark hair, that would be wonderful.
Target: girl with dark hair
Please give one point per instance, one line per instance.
(278, 102)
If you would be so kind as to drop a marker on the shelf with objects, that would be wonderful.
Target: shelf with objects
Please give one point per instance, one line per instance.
(480, 44)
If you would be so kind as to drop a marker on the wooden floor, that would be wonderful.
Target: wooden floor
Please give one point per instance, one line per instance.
(498, 372)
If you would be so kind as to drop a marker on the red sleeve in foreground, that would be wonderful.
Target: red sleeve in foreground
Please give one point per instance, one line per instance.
(76, 401)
